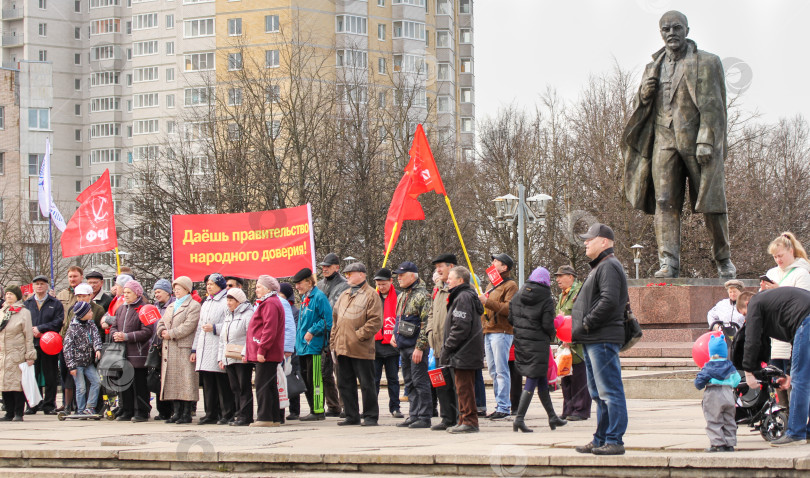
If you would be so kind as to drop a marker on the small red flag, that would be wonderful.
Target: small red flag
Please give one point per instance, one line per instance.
(423, 166)
(92, 227)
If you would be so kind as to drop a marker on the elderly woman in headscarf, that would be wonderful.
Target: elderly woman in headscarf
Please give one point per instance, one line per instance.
(265, 348)
(231, 348)
(129, 328)
(531, 313)
(178, 380)
(217, 395)
(16, 347)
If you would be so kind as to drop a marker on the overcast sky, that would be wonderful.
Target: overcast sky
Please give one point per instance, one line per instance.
(522, 46)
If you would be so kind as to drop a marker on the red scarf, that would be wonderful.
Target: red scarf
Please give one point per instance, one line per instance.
(386, 333)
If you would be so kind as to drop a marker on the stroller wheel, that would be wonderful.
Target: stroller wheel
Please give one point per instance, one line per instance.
(61, 416)
(774, 425)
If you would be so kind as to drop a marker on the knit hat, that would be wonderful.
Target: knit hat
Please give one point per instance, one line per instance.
(218, 279)
(269, 282)
(83, 289)
(135, 287)
(80, 309)
(15, 289)
(717, 346)
(237, 294)
(122, 280)
(541, 276)
(286, 289)
(163, 284)
(184, 282)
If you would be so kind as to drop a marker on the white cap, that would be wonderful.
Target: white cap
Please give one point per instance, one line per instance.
(83, 289)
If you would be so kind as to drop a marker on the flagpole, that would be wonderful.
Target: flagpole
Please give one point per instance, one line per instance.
(117, 262)
(461, 240)
(50, 241)
(390, 243)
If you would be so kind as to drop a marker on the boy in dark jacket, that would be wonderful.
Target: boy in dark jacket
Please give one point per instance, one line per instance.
(82, 347)
(720, 378)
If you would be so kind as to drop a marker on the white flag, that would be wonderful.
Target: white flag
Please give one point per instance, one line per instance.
(46, 204)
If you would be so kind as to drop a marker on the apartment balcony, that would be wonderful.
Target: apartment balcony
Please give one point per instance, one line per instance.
(11, 65)
(12, 13)
(12, 41)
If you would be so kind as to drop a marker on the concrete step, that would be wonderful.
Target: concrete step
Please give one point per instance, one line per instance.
(657, 363)
(660, 349)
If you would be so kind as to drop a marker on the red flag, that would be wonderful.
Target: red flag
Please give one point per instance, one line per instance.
(423, 166)
(403, 207)
(92, 227)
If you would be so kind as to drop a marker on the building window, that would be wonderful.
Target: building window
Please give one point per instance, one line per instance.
(144, 48)
(381, 66)
(43, 55)
(115, 180)
(466, 35)
(110, 103)
(77, 109)
(43, 29)
(78, 186)
(412, 30)
(170, 125)
(105, 25)
(198, 96)
(2, 163)
(234, 61)
(105, 156)
(103, 78)
(169, 74)
(170, 48)
(444, 7)
(467, 125)
(77, 6)
(468, 154)
(234, 27)
(380, 3)
(351, 24)
(442, 39)
(233, 132)
(148, 126)
(443, 73)
(77, 33)
(444, 104)
(77, 160)
(2, 117)
(352, 58)
(416, 3)
(144, 21)
(273, 128)
(234, 96)
(200, 27)
(34, 162)
(381, 31)
(466, 65)
(77, 58)
(466, 95)
(146, 100)
(200, 61)
(170, 102)
(149, 73)
(464, 6)
(34, 214)
(271, 59)
(105, 130)
(43, 4)
(39, 119)
(77, 84)
(272, 94)
(169, 21)
(77, 134)
(271, 23)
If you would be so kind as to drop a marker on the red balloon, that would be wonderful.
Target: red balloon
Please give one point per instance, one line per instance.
(51, 343)
(564, 331)
(700, 350)
(149, 314)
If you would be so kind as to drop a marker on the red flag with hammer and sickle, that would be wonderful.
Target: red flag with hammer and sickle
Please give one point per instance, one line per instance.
(92, 227)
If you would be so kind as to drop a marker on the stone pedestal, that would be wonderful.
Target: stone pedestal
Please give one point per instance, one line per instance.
(676, 312)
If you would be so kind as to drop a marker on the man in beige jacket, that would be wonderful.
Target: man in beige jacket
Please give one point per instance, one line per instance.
(356, 318)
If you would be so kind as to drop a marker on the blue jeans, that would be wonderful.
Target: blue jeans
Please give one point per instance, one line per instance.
(800, 381)
(91, 374)
(480, 391)
(497, 349)
(606, 389)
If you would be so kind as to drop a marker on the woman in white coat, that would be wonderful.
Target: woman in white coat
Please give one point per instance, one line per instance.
(232, 336)
(217, 396)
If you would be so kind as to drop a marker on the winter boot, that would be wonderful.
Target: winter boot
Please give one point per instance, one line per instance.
(553, 420)
(176, 407)
(519, 424)
(185, 413)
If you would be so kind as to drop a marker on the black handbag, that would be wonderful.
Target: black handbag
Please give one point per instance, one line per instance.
(113, 357)
(153, 356)
(295, 384)
(406, 329)
(153, 380)
(632, 329)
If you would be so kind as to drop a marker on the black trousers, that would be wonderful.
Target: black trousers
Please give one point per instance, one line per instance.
(576, 398)
(295, 402)
(313, 378)
(448, 398)
(135, 396)
(47, 366)
(164, 408)
(330, 369)
(239, 377)
(391, 366)
(515, 386)
(353, 370)
(14, 403)
(217, 395)
(267, 392)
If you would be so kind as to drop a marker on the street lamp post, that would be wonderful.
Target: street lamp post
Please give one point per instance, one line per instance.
(508, 208)
(637, 255)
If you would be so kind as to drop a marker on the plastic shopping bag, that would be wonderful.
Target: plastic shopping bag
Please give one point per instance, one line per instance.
(29, 384)
(564, 361)
(431, 360)
(283, 399)
(552, 371)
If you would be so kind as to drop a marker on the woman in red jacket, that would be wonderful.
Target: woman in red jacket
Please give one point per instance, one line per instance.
(265, 347)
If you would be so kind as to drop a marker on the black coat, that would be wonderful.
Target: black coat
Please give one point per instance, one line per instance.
(531, 313)
(49, 318)
(598, 315)
(775, 313)
(463, 333)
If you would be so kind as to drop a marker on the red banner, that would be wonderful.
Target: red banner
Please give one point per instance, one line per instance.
(247, 245)
(92, 227)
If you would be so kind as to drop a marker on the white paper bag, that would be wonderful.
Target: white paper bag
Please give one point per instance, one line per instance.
(283, 400)
(29, 384)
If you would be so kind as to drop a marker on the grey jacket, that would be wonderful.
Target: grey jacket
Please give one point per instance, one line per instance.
(234, 330)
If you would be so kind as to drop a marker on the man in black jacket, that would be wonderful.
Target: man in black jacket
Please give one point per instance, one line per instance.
(598, 324)
(782, 314)
(47, 315)
(463, 349)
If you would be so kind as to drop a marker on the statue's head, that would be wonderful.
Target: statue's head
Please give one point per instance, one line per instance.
(674, 29)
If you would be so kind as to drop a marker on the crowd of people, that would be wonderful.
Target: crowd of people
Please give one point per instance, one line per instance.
(347, 328)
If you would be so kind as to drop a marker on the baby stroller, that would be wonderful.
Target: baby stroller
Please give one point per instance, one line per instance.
(759, 408)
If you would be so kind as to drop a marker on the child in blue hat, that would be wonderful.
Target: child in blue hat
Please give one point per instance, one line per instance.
(720, 378)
